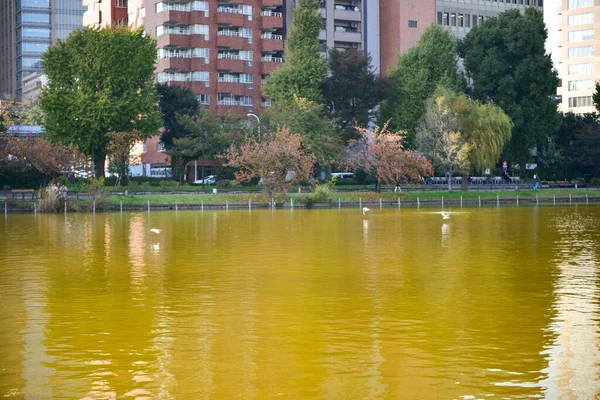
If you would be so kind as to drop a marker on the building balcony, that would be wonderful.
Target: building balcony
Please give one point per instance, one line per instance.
(272, 45)
(234, 64)
(272, 3)
(352, 37)
(268, 67)
(226, 39)
(235, 88)
(347, 15)
(232, 19)
(180, 17)
(173, 40)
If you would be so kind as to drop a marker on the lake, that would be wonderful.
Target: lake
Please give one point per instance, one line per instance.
(302, 304)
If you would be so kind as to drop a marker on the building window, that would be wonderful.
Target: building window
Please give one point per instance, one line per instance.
(446, 18)
(579, 36)
(582, 101)
(461, 20)
(581, 52)
(412, 24)
(121, 3)
(474, 20)
(160, 147)
(581, 69)
(584, 84)
(440, 18)
(467, 20)
(581, 19)
(203, 99)
(453, 19)
(580, 4)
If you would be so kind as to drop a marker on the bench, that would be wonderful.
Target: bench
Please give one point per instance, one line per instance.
(23, 192)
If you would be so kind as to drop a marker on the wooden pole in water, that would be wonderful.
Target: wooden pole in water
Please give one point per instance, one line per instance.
(537, 201)
(479, 201)
(202, 206)
(360, 203)
(460, 201)
(5, 207)
(176, 206)
(121, 206)
(497, 201)
(34, 208)
(586, 198)
(226, 205)
(94, 206)
(442, 202)
(250, 204)
(569, 198)
(554, 199)
(380, 203)
(418, 203)
(148, 205)
(292, 204)
(399, 205)
(272, 203)
(339, 203)
(65, 206)
(517, 199)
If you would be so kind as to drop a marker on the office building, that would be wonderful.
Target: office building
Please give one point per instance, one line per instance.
(402, 22)
(572, 41)
(27, 29)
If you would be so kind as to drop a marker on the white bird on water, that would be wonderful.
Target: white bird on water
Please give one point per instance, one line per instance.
(445, 215)
(365, 210)
(154, 230)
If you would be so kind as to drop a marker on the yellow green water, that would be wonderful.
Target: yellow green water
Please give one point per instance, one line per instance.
(321, 304)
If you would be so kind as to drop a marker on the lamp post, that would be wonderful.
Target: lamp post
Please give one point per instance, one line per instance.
(257, 120)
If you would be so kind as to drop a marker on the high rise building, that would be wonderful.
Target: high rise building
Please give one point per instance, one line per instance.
(347, 24)
(221, 50)
(572, 41)
(404, 21)
(101, 13)
(27, 29)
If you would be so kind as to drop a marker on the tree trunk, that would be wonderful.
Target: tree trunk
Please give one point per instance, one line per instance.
(99, 160)
(465, 181)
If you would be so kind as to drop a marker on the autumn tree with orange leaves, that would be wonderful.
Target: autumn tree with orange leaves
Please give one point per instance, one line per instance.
(279, 159)
(382, 152)
(119, 148)
(38, 153)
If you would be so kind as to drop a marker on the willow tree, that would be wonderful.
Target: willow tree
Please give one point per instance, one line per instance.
(100, 81)
(461, 134)
(304, 69)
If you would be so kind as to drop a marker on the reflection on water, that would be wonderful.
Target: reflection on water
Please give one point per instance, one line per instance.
(327, 304)
(574, 355)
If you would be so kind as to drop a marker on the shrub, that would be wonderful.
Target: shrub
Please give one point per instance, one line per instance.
(224, 183)
(48, 199)
(165, 184)
(97, 192)
(322, 193)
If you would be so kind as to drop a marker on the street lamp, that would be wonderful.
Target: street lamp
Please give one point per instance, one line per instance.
(257, 120)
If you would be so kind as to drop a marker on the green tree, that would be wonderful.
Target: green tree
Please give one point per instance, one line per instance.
(208, 135)
(351, 91)
(318, 133)
(431, 62)
(304, 69)
(174, 101)
(100, 81)
(506, 59)
(461, 134)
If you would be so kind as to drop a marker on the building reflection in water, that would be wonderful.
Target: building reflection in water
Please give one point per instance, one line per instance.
(574, 356)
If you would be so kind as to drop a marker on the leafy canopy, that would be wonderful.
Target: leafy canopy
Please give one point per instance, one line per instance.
(431, 62)
(174, 101)
(508, 64)
(351, 91)
(318, 133)
(100, 81)
(461, 134)
(304, 69)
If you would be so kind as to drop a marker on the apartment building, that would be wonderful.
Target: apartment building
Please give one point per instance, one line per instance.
(402, 22)
(102, 13)
(222, 50)
(346, 24)
(577, 64)
(27, 29)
